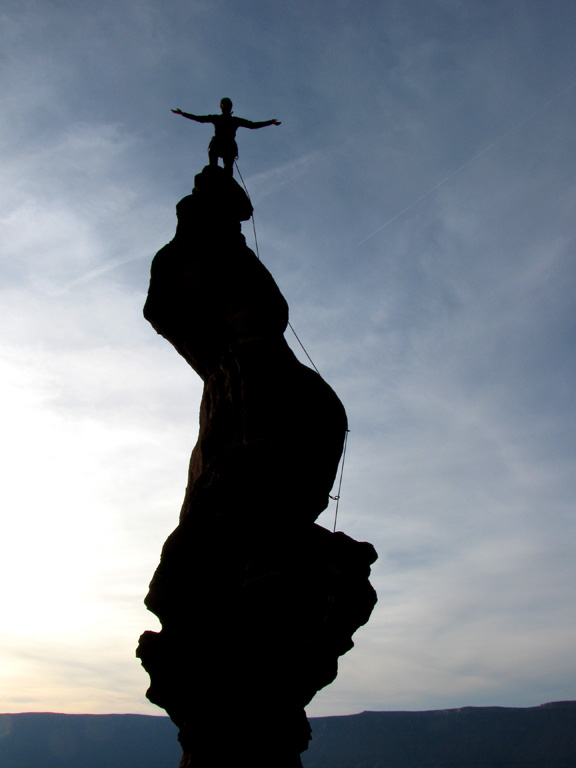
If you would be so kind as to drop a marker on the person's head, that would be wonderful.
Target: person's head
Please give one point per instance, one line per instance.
(226, 105)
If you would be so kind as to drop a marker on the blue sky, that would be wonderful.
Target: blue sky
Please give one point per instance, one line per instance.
(416, 207)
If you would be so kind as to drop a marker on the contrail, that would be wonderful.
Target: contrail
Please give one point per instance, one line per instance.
(483, 151)
(93, 273)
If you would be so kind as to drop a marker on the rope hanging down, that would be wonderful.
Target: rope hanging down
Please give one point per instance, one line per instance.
(337, 497)
(259, 259)
(253, 222)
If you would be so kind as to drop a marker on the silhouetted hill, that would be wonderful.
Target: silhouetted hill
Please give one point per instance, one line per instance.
(88, 741)
(471, 737)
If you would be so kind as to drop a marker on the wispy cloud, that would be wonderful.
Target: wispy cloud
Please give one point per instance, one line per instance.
(445, 130)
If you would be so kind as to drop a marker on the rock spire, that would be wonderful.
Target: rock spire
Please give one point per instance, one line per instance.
(256, 601)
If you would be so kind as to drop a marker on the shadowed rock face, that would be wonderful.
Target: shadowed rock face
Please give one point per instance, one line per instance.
(256, 601)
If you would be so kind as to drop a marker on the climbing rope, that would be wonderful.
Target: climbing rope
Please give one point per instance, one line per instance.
(252, 217)
(337, 497)
(259, 259)
(303, 347)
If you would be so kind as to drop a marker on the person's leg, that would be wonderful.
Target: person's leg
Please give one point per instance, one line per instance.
(228, 161)
(212, 156)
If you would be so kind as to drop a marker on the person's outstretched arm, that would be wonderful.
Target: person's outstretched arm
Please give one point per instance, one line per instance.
(198, 118)
(249, 124)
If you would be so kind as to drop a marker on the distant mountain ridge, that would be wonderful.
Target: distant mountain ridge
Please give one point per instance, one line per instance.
(469, 737)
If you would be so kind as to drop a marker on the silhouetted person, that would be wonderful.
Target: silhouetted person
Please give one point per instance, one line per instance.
(223, 143)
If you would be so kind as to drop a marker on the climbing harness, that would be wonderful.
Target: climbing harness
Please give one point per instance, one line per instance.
(335, 498)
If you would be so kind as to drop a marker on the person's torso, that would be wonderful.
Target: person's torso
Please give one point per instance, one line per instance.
(225, 126)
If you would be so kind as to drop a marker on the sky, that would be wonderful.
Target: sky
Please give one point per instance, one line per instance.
(416, 208)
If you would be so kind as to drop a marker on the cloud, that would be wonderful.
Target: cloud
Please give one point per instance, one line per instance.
(448, 334)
